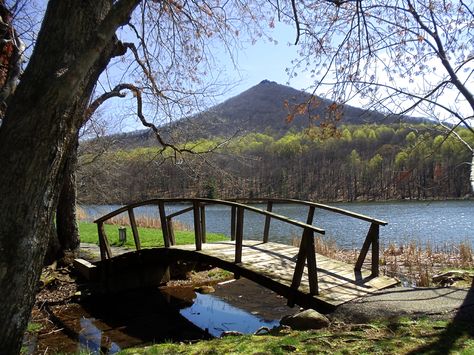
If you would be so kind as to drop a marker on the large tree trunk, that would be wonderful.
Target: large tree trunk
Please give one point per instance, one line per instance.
(36, 138)
(64, 236)
(66, 224)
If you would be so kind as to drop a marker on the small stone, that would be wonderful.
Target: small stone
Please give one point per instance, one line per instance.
(205, 289)
(305, 320)
(230, 333)
(289, 348)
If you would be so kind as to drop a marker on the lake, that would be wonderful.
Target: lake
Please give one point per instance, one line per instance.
(439, 223)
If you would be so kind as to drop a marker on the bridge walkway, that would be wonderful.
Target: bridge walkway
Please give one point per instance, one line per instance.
(297, 273)
(338, 283)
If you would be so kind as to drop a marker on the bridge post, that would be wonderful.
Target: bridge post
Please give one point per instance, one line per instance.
(203, 222)
(164, 224)
(171, 231)
(371, 238)
(233, 213)
(197, 225)
(308, 239)
(239, 235)
(375, 251)
(105, 252)
(266, 230)
(305, 253)
(133, 224)
(309, 219)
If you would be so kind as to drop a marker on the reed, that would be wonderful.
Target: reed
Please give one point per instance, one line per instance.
(141, 221)
(412, 262)
(146, 222)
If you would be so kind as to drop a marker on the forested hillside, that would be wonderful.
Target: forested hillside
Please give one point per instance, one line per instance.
(263, 108)
(359, 162)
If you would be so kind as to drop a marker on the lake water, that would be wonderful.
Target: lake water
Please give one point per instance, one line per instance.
(440, 223)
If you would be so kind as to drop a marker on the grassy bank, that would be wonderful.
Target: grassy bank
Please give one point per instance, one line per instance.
(402, 336)
(149, 237)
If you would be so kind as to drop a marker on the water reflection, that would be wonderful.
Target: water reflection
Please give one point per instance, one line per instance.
(211, 313)
(106, 324)
(92, 340)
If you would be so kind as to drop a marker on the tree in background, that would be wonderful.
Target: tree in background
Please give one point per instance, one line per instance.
(399, 57)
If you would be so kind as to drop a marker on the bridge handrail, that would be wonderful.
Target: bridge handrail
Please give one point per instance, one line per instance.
(208, 201)
(306, 254)
(317, 205)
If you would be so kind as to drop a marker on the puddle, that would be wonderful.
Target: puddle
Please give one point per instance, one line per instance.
(216, 316)
(105, 325)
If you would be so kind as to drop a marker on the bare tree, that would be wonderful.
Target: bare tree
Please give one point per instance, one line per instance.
(399, 57)
(76, 44)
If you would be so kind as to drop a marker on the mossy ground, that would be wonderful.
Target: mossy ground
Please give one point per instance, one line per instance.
(403, 336)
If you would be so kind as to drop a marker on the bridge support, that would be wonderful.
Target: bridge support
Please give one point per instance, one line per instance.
(132, 271)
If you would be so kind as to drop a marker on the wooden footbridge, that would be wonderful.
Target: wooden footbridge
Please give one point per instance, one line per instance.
(297, 273)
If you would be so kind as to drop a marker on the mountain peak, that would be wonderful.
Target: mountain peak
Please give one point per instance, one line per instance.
(267, 82)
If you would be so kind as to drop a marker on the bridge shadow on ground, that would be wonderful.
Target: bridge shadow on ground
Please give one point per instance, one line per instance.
(459, 329)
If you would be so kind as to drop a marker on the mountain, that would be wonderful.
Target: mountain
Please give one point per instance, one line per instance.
(262, 108)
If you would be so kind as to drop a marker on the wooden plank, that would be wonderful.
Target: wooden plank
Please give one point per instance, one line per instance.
(337, 281)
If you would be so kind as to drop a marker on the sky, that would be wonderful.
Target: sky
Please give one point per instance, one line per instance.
(265, 60)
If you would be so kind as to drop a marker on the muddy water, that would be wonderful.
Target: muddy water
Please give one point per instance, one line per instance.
(108, 324)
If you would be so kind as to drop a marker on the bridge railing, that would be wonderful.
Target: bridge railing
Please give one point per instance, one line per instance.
(371, 238)
(306, 253)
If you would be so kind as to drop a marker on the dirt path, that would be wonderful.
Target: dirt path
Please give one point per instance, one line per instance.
(438, 303)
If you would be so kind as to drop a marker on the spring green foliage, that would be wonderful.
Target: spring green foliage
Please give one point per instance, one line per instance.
(149, 237)
(400, 336)
(360, 162)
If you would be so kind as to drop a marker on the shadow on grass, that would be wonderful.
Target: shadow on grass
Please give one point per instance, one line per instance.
(462, 326)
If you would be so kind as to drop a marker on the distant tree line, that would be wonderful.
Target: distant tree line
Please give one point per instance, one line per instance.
(360, 162)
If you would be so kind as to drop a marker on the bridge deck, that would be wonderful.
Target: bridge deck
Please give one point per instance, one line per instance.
(338, 283)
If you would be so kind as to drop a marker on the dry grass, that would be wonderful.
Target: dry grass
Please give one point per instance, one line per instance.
(410, 262)
(81, 215)
(146, 222)
(142, 221)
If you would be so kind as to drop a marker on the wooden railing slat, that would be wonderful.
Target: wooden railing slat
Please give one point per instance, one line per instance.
(308, 239)
(375, 251)
(369, 239)
(197, 225)
(233, 217)
(266, 229)
(133, 225)
(105, 251)
(203, 222)
(164, 224)
(239, 235)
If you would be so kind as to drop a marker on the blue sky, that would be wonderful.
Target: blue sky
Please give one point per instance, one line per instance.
(265, 60)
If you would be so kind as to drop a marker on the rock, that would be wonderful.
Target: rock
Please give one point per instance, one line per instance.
(450, 277)
(305, 320)
(289, 348)
(231, 333)
(204, 289)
